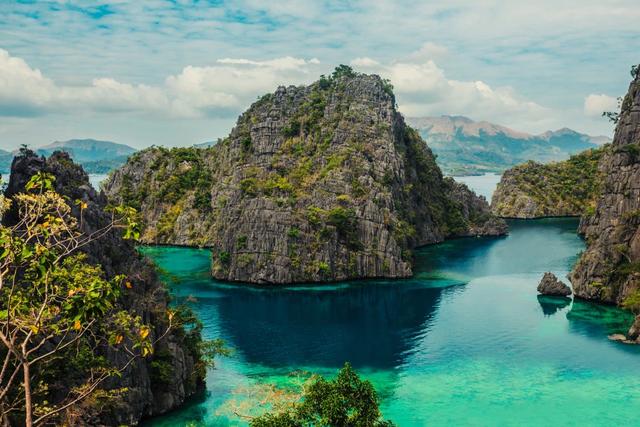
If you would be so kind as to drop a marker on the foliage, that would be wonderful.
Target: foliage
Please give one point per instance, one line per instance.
(343, 71)
(54, 304)
(632, 302)
(567, 187)
(177, 173)
(345, 401)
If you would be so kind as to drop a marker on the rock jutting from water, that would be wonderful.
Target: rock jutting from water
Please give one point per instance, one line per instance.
(550, 285)
(315, 183)
(145, 394)
(609, 269)
(634, 331)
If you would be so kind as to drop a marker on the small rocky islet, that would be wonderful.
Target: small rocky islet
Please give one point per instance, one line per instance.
(315, 183)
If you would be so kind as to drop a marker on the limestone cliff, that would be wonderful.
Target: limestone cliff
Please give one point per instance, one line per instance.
(609, 269)
(535, 190)
(147, 393)
(315, 183)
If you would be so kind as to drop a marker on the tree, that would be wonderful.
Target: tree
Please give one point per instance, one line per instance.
(343, 71)
(55, 306)
(344, 401)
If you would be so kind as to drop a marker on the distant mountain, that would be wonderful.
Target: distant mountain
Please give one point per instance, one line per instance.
(96, 157)
(206, 144)
(88, 150)
(467, 147)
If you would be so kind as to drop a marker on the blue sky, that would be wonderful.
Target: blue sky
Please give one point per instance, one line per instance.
(179, 72)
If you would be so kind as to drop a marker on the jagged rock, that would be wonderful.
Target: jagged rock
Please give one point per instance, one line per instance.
(475, 210)
(535, 190)
(315, 183)
(550, 285)
(147, 297)
(634, 330)
(609, 269)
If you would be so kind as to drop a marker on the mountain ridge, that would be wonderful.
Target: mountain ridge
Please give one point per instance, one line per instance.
(467, 147)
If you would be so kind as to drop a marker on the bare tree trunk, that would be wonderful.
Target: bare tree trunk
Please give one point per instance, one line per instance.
(4, 422)
(28, 408)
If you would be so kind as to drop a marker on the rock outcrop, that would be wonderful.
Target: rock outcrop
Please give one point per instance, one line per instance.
(609, 269)
(315, 183)
(535, 190)
(634, 331)
(146, 394)
(550, 285)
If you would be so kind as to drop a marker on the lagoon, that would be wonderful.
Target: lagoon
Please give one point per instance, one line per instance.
(466, 341)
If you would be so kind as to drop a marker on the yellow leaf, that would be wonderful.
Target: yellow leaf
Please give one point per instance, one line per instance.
(35, 329)
(128, 285)
(83, 205)
(72, 292)
(119, 339)
(144, 332)
(77, 325)
(45, 224)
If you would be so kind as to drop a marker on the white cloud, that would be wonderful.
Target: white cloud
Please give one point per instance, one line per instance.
(423, 89)
(195, 92)
(595, 105)
(429, 50)
(364, 62)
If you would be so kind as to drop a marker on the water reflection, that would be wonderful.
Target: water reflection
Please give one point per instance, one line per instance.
(370, 325)
(598, 320)
(551, 305)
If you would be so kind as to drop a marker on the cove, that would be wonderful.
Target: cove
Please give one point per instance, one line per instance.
(466, 341)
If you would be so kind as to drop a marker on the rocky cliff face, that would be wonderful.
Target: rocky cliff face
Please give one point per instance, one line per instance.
(609, 270)
(535, 190)
(316, 183)
(146, 395)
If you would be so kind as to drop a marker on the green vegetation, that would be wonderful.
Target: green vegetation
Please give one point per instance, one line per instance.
(346, 401)
(56, 306)
(561, 188)
(632, 302)
(177, 174)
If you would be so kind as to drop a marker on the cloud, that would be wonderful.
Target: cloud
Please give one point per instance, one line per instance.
(219, 90)
(429, 50)
(595, 105)
(23, 90)
(228, 87)
(423, 89)
(364, 62)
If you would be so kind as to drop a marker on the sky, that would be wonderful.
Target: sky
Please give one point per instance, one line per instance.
(179, 72)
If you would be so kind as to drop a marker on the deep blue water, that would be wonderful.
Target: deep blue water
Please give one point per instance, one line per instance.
(467, 341)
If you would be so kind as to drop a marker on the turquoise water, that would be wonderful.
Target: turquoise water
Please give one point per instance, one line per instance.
(465, 342)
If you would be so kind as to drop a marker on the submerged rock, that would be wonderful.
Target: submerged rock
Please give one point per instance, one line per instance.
(315, 183)
(551, 286)
(617, 337)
